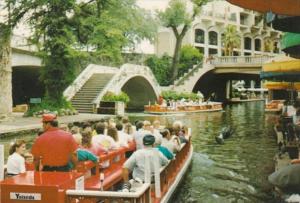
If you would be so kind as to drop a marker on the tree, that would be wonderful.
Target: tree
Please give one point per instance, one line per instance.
(121, 24)
(179, 19)
(189, 56)
(5, 71)
(230, 39)
(160, 68)
(62, 28)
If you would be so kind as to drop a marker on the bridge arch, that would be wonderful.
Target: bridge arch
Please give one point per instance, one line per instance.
(140, 91)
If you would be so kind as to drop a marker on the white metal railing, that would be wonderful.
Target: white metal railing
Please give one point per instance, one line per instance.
(240, 60)
(111, 195)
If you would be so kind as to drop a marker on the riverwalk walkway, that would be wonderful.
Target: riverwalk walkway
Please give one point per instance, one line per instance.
(18, 123)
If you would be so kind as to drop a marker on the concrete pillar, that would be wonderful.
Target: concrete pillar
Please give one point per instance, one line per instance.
(252, 46)
(206, 43)
(228, 89)
(242, 46)
(252, 84)
(219, 44)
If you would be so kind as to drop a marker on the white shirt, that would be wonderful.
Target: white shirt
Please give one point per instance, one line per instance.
(104, 141)
(124, 138)
(15, 164)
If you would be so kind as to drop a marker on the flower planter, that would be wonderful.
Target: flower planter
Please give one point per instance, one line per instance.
(115, 108)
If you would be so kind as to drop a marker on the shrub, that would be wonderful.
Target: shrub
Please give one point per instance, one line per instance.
(112, 97)
(189, 56)
(172, 95)
(48, 105)
(161, 68)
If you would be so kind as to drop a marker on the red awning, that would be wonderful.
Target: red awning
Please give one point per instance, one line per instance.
(283, 7)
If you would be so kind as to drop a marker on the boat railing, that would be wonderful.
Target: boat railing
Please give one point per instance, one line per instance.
(168, 175)
(141, 195)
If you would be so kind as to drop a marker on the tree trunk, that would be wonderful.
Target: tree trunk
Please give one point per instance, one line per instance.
(175, 60)
(5, 72)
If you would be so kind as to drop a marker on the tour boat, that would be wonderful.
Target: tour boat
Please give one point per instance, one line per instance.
(274, 106)
(81, 187)
(204, 107)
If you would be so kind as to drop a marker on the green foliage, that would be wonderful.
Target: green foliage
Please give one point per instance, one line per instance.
(175, 15)
(120, 24)
(179, 19)
(112, 97)
(173, 95)
(161, 68)
(231, 39)
(189, 56)
(49, 106)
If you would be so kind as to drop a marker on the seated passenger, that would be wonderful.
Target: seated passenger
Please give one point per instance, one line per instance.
(138, 161)
(171, 143)
(123, 137)
(139, 134)
(16, 161)
(101, 140)
(177, 127)
(128, 129)
(76, 134)
(156, 133)
(165, 151)
(113, 133)
(88, 145)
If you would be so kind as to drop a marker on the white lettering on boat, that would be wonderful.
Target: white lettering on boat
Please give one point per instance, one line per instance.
(25, 196)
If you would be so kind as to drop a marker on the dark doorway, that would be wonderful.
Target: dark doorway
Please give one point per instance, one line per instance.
(26, 84)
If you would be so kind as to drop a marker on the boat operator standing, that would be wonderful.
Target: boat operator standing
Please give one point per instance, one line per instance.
(54, 148)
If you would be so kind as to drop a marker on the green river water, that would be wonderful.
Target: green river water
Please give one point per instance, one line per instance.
(234, 172)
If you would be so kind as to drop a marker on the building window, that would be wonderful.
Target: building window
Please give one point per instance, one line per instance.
(212, 52)
(247, 53)
(247, 43)
(276, 47)
(199, 36)
(213, 38)
(200, 49)
(257, 45)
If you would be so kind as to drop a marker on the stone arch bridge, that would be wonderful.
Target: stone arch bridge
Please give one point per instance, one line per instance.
(90, 86)
(216, 74)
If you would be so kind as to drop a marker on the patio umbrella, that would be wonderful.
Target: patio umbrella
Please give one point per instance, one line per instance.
(283, 64)
(283, 7)
(283, 22)
(290, 44)
(284, 70)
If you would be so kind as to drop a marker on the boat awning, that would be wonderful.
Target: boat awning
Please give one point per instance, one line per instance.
(290, 43)
(281, 76)
(284, 23)
(281, 85)
(283, 7)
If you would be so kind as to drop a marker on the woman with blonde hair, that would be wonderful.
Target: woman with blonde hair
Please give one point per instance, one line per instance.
(16, 160)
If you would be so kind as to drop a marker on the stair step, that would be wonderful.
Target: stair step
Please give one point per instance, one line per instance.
(82, 100)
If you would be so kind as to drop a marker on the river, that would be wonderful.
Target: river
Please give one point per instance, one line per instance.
(236, 171)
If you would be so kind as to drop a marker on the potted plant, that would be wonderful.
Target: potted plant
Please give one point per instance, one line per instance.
(112, 103)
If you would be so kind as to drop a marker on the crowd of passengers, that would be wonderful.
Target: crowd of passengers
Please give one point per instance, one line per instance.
(59, 148)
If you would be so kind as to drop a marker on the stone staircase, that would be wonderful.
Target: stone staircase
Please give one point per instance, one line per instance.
(83, 99)
(191, 72)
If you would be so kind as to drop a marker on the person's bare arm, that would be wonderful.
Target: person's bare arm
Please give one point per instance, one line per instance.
(74, 158)
(37, 161)
(125, 174)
